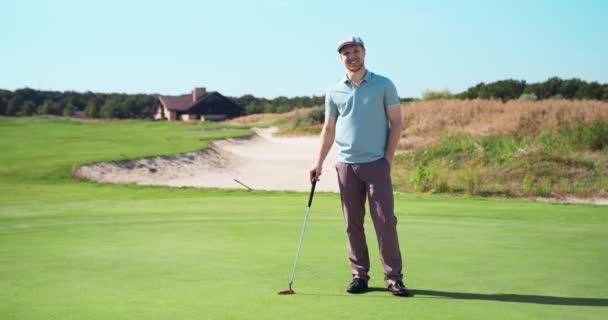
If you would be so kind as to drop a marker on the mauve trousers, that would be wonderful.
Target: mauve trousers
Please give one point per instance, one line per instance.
(371, 179)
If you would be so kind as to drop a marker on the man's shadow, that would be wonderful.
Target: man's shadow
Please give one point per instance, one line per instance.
(506, 297)
(502, 297)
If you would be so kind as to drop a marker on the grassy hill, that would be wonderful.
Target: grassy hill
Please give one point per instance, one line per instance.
(554, 148)
(83, 250)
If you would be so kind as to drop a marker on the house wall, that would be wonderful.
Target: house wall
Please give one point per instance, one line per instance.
(159, 113)
(172, 116)
(187, 117)
(162, 113)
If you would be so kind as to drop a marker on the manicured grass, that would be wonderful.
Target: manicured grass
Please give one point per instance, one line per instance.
(72, 249)
(50, 147)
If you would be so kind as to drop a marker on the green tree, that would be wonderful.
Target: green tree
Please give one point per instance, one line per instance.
(69, 110)
(254, 107)
(549, 88)
(12, 106)
(282, 109)
(91, 110)
(591, 90)
(505, 89)
(28, 94)
(472, 92)
(110, 109)
(570, 87)
(49, 107)
(269, 108)
(27, 109)
(3, 104)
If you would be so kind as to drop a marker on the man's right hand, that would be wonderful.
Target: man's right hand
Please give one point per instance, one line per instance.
(315, 173)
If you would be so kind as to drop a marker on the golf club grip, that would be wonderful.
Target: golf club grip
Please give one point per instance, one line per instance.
(312, 192)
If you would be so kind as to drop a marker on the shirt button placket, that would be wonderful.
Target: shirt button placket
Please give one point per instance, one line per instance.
(354, 95)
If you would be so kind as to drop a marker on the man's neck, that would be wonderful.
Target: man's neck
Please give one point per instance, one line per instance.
(357, 76)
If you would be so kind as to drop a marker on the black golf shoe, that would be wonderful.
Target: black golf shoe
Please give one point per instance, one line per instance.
(358, 285)
(398, 289)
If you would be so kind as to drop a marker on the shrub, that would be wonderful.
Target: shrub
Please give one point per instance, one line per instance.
(433, 95)
(565, 185)
(69, 110)
(598, 136)
(543, 189)
(593, 137)
(27, 109)
(601, 175)
(528, 97)
(443, 186)
(91, 110)
(424, 178)
(500, 149)
(472, 179)
(526, 184)
(315, 116)
(551, 145)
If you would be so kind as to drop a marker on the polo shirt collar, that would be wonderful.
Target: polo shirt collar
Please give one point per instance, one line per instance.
(367, 77)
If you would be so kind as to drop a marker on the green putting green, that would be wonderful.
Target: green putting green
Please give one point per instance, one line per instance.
(73, 249)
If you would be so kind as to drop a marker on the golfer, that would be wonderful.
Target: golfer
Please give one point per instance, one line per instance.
(363, 117)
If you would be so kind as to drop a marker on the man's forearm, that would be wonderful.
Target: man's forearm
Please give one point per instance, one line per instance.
(327, 140)
(393, 141)
(396, 124)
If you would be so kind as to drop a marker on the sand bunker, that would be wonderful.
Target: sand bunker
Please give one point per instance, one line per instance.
(261, 162)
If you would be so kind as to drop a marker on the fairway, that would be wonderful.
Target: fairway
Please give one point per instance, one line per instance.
(72, 249)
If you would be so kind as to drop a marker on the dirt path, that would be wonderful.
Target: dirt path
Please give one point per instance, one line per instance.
(262, 162)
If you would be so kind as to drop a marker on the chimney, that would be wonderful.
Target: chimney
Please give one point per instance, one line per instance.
(197, 93)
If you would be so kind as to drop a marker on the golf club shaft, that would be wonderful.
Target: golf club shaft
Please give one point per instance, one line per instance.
(293, 272)
(295, 264)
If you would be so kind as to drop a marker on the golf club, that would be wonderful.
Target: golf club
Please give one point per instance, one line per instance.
(293, 272)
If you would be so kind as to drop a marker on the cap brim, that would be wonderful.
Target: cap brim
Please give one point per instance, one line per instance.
(349, 44)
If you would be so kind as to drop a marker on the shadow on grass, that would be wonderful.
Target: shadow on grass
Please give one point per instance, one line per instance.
(521, 298)
(502, 297)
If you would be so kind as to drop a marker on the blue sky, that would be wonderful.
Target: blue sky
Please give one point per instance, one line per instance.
(270, 48)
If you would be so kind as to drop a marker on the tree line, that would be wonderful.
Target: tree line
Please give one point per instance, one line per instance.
(253, 105)
(552, 88)
(28, 102)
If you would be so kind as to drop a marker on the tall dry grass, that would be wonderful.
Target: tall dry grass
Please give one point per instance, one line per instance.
(485, 117)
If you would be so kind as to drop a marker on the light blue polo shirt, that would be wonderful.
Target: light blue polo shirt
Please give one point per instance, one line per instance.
(361, 121)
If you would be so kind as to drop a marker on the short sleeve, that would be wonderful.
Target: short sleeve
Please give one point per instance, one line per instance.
(391, 98)
(331, 109)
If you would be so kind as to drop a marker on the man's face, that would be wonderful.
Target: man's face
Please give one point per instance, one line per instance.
(353, 57)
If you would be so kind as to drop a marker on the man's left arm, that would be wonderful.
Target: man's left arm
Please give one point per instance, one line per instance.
(393, 114)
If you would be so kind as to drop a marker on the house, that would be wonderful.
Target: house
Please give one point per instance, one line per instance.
(200, 105)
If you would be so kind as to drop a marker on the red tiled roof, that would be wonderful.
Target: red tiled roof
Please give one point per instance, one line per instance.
(181, 103)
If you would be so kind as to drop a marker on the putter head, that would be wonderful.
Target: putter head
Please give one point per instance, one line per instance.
(286, 292)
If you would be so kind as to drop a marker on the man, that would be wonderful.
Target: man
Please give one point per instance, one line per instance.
(363, 116)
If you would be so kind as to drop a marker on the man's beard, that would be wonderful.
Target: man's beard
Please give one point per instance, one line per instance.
(355, 68)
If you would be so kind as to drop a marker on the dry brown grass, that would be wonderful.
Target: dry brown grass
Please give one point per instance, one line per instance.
(532, 168)
(269, 118)
(485, 117)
